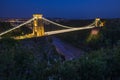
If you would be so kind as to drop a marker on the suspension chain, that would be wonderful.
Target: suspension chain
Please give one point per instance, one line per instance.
(17, 27)
(92, 24)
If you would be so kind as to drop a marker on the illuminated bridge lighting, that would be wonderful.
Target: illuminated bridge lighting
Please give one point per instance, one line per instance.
(38, 28)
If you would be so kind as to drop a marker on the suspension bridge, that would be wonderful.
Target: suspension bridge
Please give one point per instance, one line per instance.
(38, 27)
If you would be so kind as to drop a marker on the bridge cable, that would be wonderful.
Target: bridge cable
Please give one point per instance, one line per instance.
(64, 25)
(16, 27)
(56, 23)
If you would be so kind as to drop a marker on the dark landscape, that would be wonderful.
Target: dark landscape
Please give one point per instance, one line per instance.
(59, 39)
(39, 58)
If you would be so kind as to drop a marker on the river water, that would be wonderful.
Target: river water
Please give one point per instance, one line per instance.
(70, 52)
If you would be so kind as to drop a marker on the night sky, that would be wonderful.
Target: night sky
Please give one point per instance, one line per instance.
(70, 9)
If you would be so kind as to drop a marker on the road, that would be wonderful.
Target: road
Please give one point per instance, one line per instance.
(66, 49)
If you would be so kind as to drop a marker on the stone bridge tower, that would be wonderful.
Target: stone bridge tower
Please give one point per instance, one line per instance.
(38, 27)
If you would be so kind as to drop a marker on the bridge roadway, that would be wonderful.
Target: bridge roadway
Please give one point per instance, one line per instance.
(70, 52)
(67, 30)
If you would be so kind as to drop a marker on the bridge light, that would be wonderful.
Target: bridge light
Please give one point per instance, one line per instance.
(95, 31)
(94, 35)
(102, 24)
(97, 19)
(37, 16)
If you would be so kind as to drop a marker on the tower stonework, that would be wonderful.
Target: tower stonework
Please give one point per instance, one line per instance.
(38, 27)
(97, 22)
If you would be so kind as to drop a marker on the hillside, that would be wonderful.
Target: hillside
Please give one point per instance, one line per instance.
(87, 40)
(37, 58)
